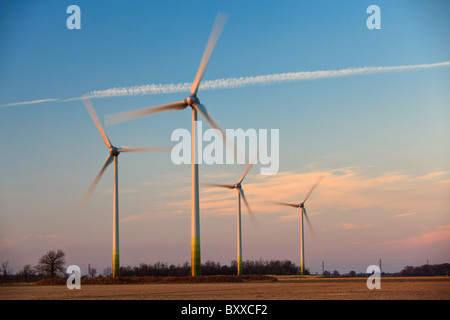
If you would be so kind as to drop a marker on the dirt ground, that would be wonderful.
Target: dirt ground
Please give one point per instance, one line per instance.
(286, 288)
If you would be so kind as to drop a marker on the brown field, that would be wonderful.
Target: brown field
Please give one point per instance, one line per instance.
(286, 288)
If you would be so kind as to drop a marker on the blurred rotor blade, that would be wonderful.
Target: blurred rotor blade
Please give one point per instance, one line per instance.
(214, 36)
(312, 189)
(250, 212)
(144, 149)
(286, 204)
(309, 223)
(115, 118)
(213, 124)
(90, 108)
(248, 169)
(245, 172)
(229, 186)
(93, 185)
(207, 116)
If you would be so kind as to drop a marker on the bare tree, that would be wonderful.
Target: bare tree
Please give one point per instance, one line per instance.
(6, 270)
(92, 272)
(27, 272)
(51, 264)
(107, 272)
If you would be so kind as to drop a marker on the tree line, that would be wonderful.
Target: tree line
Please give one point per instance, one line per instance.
(52, 265)
(256, 267)
(426, 270)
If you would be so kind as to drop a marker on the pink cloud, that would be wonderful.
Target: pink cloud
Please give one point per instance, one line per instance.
(431, 176)
(6, 243)
(40, 236)
(405, 214)
(349, 226)
(441, 233)
(350, 188)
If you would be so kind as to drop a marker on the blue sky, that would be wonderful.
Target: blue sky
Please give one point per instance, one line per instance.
(380, 132)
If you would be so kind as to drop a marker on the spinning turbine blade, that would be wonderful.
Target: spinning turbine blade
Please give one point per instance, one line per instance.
(90, 108)
(143, 149)
(312, 189)
(286, 204)
(93, 185)
(245, 172)
(213, 124)
(229, 186)
(214, 36)
(207, 116)
(115, 118)
(309, 223)
(248, 169)
(250, 212)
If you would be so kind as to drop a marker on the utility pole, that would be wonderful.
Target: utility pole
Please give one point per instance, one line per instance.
(381, 269)
(323, 267)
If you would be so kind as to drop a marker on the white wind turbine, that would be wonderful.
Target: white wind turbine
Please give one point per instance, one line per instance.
(112, 157)
(301, 205)
(240, 192)
(193, 102)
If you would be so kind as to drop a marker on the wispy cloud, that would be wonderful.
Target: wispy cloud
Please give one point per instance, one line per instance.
(405, 214)
(108, 192)
(431, 176)
(40, 236)
(226, 83)
(133, 217)
(350, 226)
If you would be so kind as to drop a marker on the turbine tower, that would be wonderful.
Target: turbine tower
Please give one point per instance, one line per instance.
(240, 192)
(112, 157)
(301, 205)
(193, 102)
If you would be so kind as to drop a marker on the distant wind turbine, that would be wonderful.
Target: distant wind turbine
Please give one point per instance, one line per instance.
(240, 192)
(112, 157)
(301, 205)
(193, 102)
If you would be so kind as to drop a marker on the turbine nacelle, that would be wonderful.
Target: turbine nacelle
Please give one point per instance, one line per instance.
(113, 151)
(192, 101)
(238, 186)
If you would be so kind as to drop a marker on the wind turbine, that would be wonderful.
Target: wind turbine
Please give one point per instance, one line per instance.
(240, 192)
(112, 157)
(193, 102)
(301, 205)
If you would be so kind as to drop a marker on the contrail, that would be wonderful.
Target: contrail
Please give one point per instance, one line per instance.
(255, 80)
(27, 102)
(241, 82)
